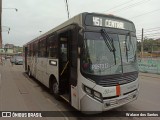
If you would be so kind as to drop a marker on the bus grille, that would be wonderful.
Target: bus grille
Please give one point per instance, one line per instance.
(117, 79)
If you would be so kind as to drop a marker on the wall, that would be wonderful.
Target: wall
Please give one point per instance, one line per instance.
(9, 51)
(151, 65)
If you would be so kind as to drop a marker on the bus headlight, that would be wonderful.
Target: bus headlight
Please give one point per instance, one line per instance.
(97, 94)
(88, 90)
(93, 93)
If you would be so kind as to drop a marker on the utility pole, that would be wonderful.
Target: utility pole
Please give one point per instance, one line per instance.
(67, 8)
(142, 44)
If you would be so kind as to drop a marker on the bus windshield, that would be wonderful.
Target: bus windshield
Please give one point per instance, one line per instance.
(98, 59)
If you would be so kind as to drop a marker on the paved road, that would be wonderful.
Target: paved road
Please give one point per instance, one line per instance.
(20, 93)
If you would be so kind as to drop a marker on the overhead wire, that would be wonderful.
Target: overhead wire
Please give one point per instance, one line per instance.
(153, 30)
(149, 32)
(149, 35)
(145, 13)
(118, 5)
(132, 5)
(149, 29)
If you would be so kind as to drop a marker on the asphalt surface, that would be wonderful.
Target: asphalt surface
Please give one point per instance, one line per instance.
(18, 92)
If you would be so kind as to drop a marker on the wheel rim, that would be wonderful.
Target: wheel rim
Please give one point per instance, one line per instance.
(55, 88)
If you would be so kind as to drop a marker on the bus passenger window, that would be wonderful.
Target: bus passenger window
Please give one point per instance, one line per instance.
(52, 46)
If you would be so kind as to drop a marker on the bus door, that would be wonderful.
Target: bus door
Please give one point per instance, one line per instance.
(73, 68)
(68, 64)
(64, 65)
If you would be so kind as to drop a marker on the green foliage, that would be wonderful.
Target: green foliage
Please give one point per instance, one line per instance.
(149, 45)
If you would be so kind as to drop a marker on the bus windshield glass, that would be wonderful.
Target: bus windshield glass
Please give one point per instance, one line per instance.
(128, 45)
(98, 59)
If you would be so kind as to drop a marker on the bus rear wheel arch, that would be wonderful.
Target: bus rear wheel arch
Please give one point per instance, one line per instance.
(53, 85)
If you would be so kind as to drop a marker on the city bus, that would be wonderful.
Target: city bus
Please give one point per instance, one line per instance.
(89, 61)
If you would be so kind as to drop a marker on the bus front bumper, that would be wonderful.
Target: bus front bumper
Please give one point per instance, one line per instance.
(89, 104)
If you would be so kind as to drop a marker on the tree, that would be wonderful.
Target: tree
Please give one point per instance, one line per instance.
(149, 45)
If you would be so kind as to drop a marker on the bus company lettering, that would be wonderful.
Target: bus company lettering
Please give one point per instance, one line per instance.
(98, 21)
(99, 66)
(110, 91)
(114, 24)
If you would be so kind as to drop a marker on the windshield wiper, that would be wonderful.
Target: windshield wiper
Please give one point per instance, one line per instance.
(109, 42)
(126, 43)
(126, 47)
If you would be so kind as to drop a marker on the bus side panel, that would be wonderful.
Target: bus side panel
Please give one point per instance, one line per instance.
(52, 69)
(28, 63)
(40, 69)
(83, 81)
(33, 70)
(42, 74)
(74, 97)
(45, 75)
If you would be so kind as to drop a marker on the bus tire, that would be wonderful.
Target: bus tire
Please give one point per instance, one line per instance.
(55, 89)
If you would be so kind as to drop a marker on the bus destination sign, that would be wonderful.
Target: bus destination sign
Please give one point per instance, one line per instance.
(108, 21)
(97, 21)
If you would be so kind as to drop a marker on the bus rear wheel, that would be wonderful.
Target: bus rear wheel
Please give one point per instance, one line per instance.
(55, 90)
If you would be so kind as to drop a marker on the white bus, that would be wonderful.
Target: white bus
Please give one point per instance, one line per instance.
(89, 60)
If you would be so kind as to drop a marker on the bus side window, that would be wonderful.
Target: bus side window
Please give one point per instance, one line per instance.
(29, 50)
(42, 48)
(35, 49)
(52, 46)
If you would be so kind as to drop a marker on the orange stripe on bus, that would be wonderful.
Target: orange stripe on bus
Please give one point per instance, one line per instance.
(118, 90)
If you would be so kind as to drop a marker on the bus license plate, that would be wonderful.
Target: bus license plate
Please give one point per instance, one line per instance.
(121, 101)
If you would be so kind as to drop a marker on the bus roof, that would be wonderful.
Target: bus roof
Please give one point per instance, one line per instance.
(73, 20)
(76, 20)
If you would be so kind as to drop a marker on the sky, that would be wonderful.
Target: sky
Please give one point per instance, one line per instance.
(34, 16)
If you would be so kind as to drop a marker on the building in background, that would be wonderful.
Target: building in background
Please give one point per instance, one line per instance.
(10, 50)
(11, 46)
(17, 49)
